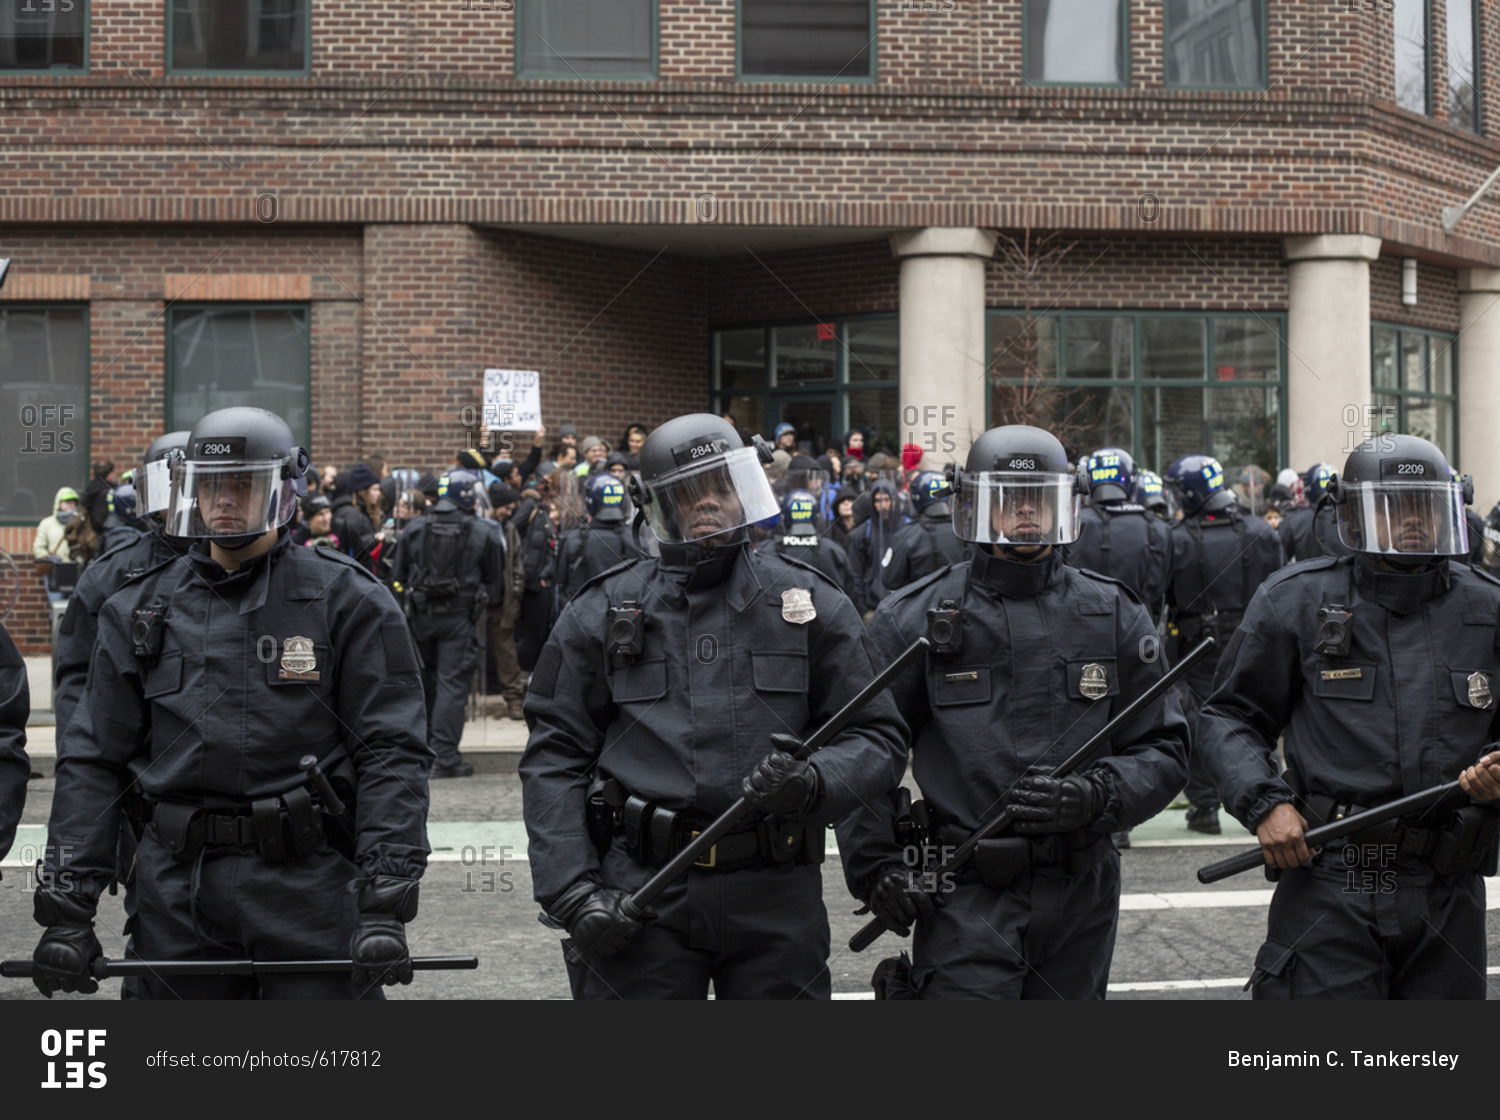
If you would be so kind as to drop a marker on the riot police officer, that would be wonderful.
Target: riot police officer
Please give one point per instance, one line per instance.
(598, 544)
(211, 677)
(1118, 537)
(659, 688)
(801, 538)
(122, 524)
(1220, 555)
(1379, 670)
(928, 542)
(15, 767)
(1153, 494)
(446, 560)
(1030, 658)
(1309, 530)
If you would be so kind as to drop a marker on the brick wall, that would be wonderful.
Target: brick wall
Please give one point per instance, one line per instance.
(28, 622)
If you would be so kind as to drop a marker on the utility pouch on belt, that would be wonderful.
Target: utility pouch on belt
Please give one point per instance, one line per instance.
(1002, 861)
(180, 828)
(604, 797)
(1470, 842)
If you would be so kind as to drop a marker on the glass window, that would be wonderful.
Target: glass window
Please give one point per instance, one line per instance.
(806, 38)
(568, 38)
(1160, 385)
(1463, 74)
(874, 350)
(1102, 347)
(1215, 43)
(1018, 353)
(1075, 41)
(238, 35)
(878, 413)
(44, 35)
(742, 359)
(44, 353)
(1414, 377)
(1410, 21)
(805, 355)
(224, 356)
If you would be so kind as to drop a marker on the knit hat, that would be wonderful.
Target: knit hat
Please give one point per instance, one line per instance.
(361, 477)
(503, 494)
(472, 460)
(588, 442)
(911, 456)
(568, 430)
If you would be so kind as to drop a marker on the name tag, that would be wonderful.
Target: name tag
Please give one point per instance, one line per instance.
(1342, 674)
(963, 676)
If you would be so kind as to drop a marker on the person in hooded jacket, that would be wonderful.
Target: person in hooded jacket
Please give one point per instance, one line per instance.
(871, 546)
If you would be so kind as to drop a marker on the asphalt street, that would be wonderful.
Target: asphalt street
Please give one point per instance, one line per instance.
(1178, 939)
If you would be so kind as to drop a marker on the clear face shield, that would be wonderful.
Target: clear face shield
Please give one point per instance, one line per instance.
(229, 498)
(1414, 519)
(153, 486)
(1016, 508)
(702, 500)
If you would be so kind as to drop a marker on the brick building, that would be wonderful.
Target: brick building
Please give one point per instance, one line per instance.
(1173, 225)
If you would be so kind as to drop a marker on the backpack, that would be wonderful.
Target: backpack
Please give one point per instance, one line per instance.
(439, 568)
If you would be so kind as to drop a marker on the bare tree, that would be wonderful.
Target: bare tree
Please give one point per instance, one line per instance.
(1024, 388)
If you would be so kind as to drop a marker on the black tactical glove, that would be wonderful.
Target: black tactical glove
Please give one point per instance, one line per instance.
(898, 900)
(68, 952)
(378, 947)
(782, 785)
(1040, 804)
(596, 920)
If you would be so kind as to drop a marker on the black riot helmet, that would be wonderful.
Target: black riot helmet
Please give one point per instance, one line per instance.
(153, 482)
(241, 475)
(698, 479)
(1017, 488)
(456, 491)
(1396, 498)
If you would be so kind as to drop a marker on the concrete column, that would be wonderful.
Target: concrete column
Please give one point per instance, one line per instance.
(1479, 382)
(1328, 346)
(942, 339)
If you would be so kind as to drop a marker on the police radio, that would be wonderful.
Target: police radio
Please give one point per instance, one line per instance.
(1334, 630)
(624, 630)
(945, 628)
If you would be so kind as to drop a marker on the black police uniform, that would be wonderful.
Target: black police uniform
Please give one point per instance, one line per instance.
(922, 547)
(1393, 912)
(445, 620)
(298, 651)
(589, 550)
(15, 710)
(734, 647)
(818, 552)
(1308, 532)
(1127, 542)
(1048, 655)
(1219, 558)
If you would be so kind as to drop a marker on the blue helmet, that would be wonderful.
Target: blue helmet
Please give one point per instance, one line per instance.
(1150, 491)
(782, 429)
(1199, 482)
(929, 490)
(121, 503)
(606, 498)
(1315, 481)
(456, 490)
(799, 513)
(1111, 475)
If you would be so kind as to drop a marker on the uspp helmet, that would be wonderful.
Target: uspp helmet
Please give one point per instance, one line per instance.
(800, 513)
(1016, 487)
(606, 498)
(1151, 492)
(241, 476)
(456, 491)
(1111, 474)
(1397, 497)
(1199, 483)
(699, 480)
(1315, 481)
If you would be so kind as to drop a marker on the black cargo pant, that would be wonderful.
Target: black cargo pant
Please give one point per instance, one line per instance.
(449, 648)
(1358, 932)
(1048, 935)
(751, 933)
(231, 904)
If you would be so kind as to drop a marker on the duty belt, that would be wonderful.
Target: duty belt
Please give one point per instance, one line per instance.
(653, 835)
(1405, 837)
(1054, 850)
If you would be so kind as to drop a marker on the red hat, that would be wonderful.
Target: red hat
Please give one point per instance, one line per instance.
(911, 456)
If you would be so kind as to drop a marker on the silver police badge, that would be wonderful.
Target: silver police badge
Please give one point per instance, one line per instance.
(1479, 690)
(1094, 683)
(298, 662)
(797, 606)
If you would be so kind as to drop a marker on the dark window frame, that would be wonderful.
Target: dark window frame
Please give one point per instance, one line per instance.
(1404, 395)
(1265, 71)
(1427, 82)
(574, 76)
(816, 79)
(172, 70)
(1476, 27)
(86, 426)
(55, 71)
(1123, 83)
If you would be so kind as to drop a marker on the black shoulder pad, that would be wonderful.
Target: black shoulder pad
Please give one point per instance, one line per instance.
(793, 562)
(622, 566)
(1480, 572)
(1301, 567)
(917, 586)
(1100, 577)
(338, 558)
